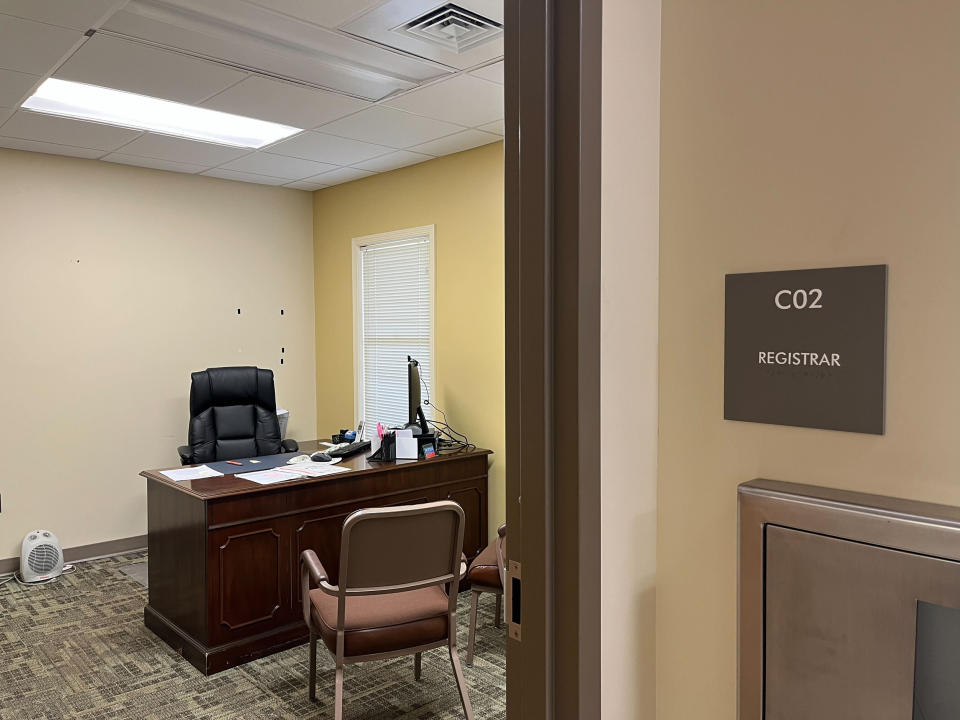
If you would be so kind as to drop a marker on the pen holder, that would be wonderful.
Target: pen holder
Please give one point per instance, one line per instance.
(388, 449)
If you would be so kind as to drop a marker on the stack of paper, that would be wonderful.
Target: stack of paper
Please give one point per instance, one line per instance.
(316, 469)
(291, 472)
(191, 473)
(407, 445)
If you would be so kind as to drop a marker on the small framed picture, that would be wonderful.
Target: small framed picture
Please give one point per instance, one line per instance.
(429, 451)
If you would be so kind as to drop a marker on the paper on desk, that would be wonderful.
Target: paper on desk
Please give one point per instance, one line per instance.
(316, 469)
(291, 472)
(191, 473)
(407, 447)
(269, 477)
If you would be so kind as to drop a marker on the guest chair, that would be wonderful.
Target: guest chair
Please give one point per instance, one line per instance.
(396, 592)
(233, 414)
(486, 575)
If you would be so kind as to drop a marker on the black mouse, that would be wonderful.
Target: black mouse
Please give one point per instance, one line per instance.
(320, 457)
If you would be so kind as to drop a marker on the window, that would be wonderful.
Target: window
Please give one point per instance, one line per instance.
(393, 310)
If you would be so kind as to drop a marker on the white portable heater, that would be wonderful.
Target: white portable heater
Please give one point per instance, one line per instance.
(41, 558)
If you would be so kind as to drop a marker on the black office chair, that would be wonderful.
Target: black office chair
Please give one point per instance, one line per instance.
(233, 414)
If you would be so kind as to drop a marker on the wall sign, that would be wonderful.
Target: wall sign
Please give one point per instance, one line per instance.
(807, 348)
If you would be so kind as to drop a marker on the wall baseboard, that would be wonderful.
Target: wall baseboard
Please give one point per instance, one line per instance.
(86, 552)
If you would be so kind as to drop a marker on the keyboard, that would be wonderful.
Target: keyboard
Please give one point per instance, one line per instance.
(342, 451)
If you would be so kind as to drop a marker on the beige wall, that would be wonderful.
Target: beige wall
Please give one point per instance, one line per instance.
(115, 283)
(462, 195)
(628, 362)
(796, 135)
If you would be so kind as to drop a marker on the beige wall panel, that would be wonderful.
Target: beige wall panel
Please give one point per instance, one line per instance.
(628, 358)
(115, 283)
(796, 135)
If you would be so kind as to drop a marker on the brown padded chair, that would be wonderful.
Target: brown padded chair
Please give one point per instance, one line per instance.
(486, 575)
(397, 592)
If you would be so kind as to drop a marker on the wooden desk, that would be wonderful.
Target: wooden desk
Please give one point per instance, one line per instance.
(224, 552)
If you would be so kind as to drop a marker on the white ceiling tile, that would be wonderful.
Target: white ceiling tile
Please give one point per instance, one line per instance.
(66, 131)
(309, 185)
(496, 127)
(279, 45)
(111, 62)
(280, 166)
(328, 13)
(284, 102)
(50, 148)
(244, 176)
(5, 113)
(398, 159)
(493, 73)
(153, 163)
(14, 85)
(77, 14)
(456, 143)
(32, 47)
(164, 147)
(328, 149)
(386, 126)
(463, 99)
(341, 175)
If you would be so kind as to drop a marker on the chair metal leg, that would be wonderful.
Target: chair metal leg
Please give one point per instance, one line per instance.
(313, 665)
(498, 618)
(416, 665)
(461, 683)
(474, 596)
(338, 695)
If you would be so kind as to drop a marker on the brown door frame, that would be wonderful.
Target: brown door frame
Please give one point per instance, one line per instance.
(552, 261)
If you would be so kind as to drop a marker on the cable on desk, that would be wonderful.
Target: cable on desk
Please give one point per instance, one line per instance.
(448, 439)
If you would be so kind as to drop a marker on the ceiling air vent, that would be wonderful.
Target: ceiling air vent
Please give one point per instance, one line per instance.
(452, 28)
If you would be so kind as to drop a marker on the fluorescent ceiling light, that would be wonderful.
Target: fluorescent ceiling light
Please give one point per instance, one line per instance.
(115, 107)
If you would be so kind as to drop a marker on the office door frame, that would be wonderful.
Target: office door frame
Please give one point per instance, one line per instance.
(552, 263)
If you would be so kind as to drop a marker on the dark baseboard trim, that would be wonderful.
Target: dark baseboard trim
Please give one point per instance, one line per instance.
(86, 552)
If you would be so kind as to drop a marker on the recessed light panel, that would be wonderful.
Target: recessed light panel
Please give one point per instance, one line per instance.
(116, 107)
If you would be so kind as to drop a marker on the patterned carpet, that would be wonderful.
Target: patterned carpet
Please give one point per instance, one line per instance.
(77, 648)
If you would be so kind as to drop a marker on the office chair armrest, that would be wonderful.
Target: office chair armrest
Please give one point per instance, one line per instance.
(312, 570)
(502, 530)
(186, 454)
(289, 446)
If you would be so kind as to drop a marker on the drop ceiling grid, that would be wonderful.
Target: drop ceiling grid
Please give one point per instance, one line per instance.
(473, 136)
(73, 15)
(330, 14)
(422, 136)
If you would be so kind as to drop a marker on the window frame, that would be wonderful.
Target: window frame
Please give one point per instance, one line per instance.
(359, 243)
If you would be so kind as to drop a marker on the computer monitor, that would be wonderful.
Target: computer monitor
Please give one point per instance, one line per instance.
(416, 420)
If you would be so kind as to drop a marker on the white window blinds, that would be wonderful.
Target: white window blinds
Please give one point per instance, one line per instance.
(395, 320)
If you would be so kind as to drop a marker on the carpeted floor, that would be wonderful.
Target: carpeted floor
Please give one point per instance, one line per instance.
(77, 648)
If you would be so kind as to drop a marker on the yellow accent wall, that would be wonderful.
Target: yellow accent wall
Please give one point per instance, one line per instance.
(462, 195)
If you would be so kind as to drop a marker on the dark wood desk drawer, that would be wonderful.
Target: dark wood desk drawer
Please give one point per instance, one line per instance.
(247, 579)
(281, 500)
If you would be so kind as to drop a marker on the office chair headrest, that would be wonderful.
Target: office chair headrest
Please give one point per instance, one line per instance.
(217, 387)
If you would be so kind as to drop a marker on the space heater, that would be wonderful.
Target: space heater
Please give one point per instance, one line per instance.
(41, 558)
